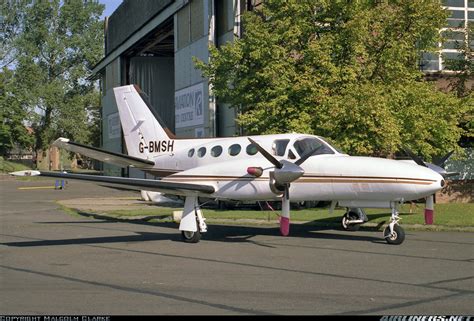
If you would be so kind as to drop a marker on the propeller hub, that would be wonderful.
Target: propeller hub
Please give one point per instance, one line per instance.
(288, 173)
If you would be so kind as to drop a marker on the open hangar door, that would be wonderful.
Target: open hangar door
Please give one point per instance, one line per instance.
(150, 65)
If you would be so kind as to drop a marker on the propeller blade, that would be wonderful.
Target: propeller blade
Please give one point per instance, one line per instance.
(308, 155)
(449, 174)
(443, 160)
(266, 154)
(413, 156)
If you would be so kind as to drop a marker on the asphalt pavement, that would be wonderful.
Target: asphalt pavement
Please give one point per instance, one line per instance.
(55, 262)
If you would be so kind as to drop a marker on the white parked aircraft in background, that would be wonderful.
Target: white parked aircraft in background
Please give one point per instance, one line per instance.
(286, 167)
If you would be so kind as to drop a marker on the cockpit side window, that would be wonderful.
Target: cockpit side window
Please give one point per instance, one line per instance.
(279, 146)
(306, 145)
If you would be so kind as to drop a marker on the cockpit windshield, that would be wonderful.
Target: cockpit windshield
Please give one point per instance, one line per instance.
(333, 145)
(306, 145)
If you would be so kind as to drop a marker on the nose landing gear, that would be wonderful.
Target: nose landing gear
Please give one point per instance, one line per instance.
(394, 233)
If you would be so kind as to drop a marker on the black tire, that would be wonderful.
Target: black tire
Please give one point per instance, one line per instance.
(395, 238)
(191, 237)
(349, 227)
(221, 205)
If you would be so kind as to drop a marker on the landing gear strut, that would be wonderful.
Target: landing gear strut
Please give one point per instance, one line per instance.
(192, 222)
(394, 233)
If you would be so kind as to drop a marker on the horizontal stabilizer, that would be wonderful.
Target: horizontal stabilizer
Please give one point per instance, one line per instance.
(105, 156)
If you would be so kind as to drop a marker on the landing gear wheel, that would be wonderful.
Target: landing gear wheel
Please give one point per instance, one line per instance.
(350, 217)
(396, 237)
(191, 237)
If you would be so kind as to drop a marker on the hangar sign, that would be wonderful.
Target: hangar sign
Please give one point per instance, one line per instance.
(189, 107)
(113, 125)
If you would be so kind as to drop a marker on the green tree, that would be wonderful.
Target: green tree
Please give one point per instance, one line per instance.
(12, 117)
(12, 114)
(344, 69)
(55, 44)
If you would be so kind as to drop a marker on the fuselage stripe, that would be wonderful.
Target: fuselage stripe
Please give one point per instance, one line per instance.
(310, 179)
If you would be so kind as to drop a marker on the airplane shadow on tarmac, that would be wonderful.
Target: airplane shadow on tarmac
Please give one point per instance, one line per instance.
(216, 232)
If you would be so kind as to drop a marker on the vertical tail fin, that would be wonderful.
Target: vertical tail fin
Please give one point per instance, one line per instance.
(144, 132)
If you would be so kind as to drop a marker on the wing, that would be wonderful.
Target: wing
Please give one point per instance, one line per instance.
(182, 189)
(118, 159)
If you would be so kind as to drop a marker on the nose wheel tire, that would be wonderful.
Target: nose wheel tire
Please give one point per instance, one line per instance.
(396, 237)
(349, 217)
(191, 237)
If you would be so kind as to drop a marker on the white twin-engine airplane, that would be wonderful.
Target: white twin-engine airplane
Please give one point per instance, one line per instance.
(286, 167)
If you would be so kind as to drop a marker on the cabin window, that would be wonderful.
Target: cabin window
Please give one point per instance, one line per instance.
(291, 155)
(201, 152)
(216, 151)
(279, 147)
(251, 149)
(234, 149)
(191, 152)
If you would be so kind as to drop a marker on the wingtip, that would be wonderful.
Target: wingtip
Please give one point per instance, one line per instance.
(61, 140)
(26, 173)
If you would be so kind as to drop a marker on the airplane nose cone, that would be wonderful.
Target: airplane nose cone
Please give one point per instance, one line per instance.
(439, 183)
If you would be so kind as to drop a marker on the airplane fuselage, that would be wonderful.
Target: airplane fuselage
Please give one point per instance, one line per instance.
(331, 175)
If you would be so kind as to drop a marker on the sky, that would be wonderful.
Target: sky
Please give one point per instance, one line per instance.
(110, 6)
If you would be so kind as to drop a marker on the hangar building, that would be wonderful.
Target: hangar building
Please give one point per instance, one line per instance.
(152, 43)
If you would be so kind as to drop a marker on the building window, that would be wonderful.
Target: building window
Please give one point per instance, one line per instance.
(453, 3)
(453, 39)
(429, 61)
(453, 56)
(470, 16)
(456, 20)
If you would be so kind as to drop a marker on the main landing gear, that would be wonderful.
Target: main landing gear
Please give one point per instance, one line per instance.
(394, 233)
(193, 223)
(191, 237)
(352, 220)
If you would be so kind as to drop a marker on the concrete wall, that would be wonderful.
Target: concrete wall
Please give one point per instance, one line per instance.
(191, 29)
(111, 129)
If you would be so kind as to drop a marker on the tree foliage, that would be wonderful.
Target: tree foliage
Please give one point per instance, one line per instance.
(52, 46)
(12, 115)
(343, 69)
